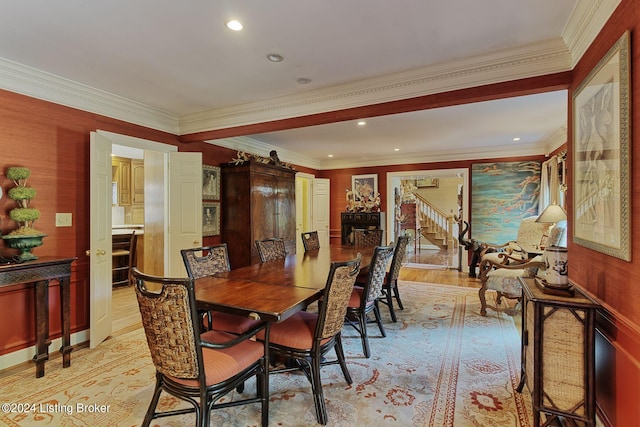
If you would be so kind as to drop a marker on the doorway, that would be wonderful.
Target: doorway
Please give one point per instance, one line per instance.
(440, 188)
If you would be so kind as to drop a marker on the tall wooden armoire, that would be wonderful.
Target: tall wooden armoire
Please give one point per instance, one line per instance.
(257, 202)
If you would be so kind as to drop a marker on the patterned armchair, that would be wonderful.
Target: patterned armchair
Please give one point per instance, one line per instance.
(501, 273)
(530, 235)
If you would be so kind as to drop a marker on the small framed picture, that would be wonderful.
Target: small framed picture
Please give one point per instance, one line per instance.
(364, 187)
(210, 182)
(210, 219)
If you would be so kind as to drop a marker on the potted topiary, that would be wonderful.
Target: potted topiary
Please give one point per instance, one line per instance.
(25, 237)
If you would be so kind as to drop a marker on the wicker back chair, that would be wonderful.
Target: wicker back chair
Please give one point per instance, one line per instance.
(208, 261)
(271, 249)
(199, 369)
(363, 238)
(390, 286)
(365, 299)
(310, 241)
(307, 336)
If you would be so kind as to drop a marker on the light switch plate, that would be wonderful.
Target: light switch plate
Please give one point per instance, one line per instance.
(63, 219)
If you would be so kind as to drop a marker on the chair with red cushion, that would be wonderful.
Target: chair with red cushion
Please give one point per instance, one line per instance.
(306, 337)
(207, 261)
(198, 368)
(390, 286)
(364, 299)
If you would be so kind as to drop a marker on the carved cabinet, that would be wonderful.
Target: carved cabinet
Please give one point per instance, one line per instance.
(351, 220)
(558, 355)
(257, 202)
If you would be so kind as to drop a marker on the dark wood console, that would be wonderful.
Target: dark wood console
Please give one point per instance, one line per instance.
(39, 273)
(351, 220)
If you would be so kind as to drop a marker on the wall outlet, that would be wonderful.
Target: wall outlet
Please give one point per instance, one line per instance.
(63, 220)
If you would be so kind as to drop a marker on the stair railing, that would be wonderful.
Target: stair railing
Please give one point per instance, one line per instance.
(433, 220)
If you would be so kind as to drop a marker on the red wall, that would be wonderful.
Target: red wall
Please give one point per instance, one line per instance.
(614, 283)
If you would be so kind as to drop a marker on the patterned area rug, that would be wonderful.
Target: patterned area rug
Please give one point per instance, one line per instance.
(442, 364)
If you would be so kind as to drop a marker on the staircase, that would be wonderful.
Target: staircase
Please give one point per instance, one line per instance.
(434, 225)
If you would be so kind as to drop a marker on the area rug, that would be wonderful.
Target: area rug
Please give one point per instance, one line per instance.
(442, 364)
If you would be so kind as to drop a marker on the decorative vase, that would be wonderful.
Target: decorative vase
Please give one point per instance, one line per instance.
(24, 244)
(557, 267)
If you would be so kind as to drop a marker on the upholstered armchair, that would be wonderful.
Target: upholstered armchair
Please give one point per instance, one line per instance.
(501, 273)
(530, 235)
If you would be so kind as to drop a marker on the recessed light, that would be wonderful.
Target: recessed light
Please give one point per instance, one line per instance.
(234, 25)
(304, 81)
(396, 149)
(274, 57)
(362, 123)
(330, 155)
(516, 139)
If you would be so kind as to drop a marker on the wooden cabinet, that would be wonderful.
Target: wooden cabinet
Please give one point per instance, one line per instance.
(121, 173)
(257, 202)
(137, 191)
(558, 355)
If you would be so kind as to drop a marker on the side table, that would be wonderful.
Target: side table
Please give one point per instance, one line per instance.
(558, 354)
(39, 273)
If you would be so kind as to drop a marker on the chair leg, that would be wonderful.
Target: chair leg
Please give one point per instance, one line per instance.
(362, 320)
(376, 313)
(316, 386)
(396, 292)
(390, 305)
(483, 299)
(154, 402)
(341, 359)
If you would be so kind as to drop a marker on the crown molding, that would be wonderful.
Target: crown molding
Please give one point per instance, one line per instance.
(547, 57)
(586, 21)
(556, 140)
(38, 84)
(254, 146)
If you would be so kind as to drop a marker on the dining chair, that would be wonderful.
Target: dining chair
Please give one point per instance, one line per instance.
(198, 368)
(271, 249)
(367, 238)
(390, 287)
(310, 240)
(306, 336)
(364, 299)
(208, 261)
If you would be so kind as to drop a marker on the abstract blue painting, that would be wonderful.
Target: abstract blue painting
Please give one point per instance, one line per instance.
(502, 194)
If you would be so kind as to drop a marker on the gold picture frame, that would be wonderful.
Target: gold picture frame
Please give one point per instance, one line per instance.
(601, 155)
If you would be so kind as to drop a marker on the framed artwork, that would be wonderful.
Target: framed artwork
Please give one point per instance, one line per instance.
(601, 154)
(364, 187)
(210, 219)
(502, 195)
(210, 182)
(427, 183)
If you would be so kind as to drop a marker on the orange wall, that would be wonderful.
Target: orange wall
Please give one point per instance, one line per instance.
(614, 282)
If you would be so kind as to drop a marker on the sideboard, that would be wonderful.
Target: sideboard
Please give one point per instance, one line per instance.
(351, 220)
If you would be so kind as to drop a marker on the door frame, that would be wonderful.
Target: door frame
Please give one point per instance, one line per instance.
(128, 141)
(435, 173)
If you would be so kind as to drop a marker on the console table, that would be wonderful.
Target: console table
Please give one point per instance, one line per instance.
(39, 273)
(558, 354)
(351, 220)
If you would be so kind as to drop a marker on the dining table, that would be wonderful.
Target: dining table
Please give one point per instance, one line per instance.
(274, 290)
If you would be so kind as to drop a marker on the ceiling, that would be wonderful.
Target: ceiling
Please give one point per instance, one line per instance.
(174, 66)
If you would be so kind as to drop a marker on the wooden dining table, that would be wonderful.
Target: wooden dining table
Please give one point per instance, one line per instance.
(274, 290)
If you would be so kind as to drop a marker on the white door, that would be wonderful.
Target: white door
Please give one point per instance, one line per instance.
(321, 212)
(185, 209)
(100, 239)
